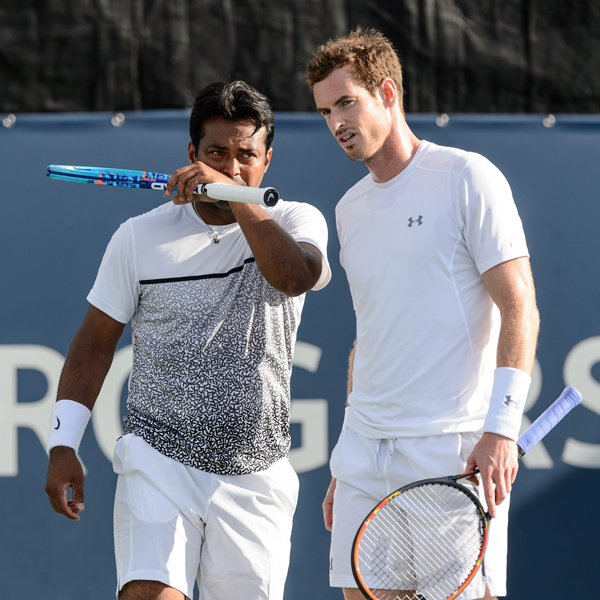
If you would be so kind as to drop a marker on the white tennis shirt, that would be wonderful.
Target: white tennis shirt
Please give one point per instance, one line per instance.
(212, 339)
(414, 249)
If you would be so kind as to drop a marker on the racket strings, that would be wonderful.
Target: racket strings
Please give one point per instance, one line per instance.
(424, 543)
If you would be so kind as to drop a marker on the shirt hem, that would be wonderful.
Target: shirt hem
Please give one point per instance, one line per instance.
(111, 311)
(501, 258)
(472, 425)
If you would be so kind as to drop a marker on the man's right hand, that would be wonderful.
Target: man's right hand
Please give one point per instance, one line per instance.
(64, 472)
(328, 506)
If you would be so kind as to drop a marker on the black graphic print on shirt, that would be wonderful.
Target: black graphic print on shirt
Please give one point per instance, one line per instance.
(212, 363)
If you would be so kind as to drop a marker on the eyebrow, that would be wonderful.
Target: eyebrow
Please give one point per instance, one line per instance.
(337, 102)
(221, 147)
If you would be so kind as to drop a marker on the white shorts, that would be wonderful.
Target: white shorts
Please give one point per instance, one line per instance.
(368, 470)
(176, 524)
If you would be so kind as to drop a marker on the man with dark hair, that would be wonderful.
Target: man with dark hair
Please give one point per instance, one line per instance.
(214, 292)
(433, 246)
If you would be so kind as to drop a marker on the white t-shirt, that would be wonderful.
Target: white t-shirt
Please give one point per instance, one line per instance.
(212, 339)
(414, 249)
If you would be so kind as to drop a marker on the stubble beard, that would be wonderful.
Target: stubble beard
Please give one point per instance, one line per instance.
(224, 205)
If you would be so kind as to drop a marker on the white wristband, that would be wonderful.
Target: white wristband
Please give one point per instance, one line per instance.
(69, 420)
(507, 402)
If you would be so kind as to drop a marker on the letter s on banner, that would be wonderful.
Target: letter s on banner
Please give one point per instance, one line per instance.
(578, 373)
(538, 457)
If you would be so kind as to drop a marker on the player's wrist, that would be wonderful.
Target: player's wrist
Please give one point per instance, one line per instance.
(69, 420)
(507, 402)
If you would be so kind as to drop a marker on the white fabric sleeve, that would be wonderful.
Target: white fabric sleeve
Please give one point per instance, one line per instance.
(305, 223)
(116, 289)
(493, 229)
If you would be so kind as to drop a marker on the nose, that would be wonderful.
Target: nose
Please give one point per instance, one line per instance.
(231, 168)
(335, 122)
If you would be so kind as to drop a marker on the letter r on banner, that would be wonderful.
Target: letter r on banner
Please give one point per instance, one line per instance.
(15, 414)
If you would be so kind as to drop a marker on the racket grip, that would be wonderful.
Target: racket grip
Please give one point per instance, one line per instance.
(239, 193)
(559, 409)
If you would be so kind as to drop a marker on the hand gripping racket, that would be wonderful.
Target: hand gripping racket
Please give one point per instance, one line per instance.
(426, 541)
(158, 181)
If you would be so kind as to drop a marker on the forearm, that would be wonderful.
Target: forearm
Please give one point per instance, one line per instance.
(510, 286)
(518, 337)
(83, 373)
(89, 358)
(285, 264)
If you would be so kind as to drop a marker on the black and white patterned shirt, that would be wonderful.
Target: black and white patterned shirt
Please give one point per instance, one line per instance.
(212, 339)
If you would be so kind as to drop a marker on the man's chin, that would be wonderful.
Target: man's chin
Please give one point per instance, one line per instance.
(223, 205)
(355, 155)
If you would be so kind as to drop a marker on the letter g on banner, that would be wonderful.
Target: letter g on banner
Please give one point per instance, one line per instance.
(310, 414)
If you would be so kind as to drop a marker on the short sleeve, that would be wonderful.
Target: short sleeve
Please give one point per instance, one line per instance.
(116, 289)
(493, 230)
(305, 223)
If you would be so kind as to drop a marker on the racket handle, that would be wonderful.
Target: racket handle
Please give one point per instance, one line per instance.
(239, 193)
(559, 409)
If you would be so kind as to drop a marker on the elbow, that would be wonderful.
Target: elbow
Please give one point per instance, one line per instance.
(297, 286)
(301, 281)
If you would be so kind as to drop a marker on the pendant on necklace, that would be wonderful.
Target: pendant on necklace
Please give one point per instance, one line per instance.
(216, 240)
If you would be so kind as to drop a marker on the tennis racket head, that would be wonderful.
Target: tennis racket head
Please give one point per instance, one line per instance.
(424, 541)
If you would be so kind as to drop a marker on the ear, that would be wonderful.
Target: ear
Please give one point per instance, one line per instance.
(191, 152)
(268, 159)
(388, 92)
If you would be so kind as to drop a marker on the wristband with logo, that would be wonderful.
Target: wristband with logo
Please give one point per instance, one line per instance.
(69, 420)
(507, 402)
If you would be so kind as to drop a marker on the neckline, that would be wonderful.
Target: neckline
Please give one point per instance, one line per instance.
(412, 165)
(209, 226)
(215, 233)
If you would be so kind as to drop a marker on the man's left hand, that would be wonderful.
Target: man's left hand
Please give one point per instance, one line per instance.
(189, 177)
(496, 457)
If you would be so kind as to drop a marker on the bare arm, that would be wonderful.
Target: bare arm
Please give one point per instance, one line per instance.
(83, 374)
(290, 267)
(510, 286)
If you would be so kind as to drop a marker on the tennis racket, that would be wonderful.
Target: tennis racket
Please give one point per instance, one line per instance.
(158, 181)
(426, 541)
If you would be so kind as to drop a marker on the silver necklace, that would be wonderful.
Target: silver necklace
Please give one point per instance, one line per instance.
(215, 236)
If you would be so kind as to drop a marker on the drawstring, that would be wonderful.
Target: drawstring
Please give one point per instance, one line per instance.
(376, 457)
(391, 451)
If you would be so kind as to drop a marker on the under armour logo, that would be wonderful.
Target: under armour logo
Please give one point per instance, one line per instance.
(418, 221)
(508, 401)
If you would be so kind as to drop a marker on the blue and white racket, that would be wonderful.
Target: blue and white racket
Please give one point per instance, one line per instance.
(158, 181)
(427, 539)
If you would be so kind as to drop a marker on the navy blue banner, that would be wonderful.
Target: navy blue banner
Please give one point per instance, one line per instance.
(53, 235)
